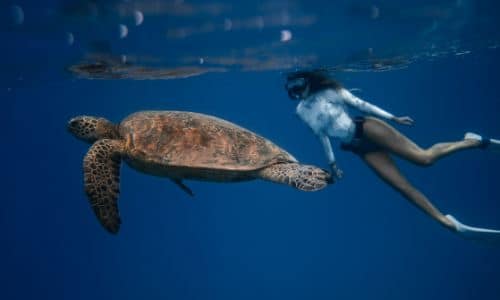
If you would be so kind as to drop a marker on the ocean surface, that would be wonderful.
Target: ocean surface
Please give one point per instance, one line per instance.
(436, 61)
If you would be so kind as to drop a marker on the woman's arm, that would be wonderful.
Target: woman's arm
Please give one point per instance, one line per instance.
(327, 147)
(364, 106)
(369, 108)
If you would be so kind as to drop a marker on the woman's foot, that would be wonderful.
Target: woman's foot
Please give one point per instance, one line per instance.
(483, 142)
(475, 233)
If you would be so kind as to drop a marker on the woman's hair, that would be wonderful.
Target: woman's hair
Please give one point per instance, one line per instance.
(318, 80)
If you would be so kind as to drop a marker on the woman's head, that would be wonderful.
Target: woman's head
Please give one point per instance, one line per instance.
(301, 84)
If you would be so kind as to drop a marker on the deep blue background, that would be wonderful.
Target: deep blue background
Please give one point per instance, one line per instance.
(357, 239)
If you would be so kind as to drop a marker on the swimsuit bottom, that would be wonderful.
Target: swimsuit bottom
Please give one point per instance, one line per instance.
(359, 143)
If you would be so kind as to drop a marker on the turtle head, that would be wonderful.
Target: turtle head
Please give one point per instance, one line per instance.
(91, 129)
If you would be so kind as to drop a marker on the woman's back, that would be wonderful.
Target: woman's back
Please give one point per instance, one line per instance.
(326, 113)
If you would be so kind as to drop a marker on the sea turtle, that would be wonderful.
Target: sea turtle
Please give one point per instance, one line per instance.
(180, 145)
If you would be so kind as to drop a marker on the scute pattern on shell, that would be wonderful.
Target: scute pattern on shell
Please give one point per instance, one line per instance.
(195, 140)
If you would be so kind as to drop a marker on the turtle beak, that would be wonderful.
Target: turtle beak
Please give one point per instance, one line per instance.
(72, 124)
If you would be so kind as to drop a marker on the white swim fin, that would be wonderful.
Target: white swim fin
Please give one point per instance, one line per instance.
(486, 143)
(476, 233)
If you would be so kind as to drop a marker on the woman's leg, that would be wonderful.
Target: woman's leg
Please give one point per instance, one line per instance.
(385, 136)
(385, 168)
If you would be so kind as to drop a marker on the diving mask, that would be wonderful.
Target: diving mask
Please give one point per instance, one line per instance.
(296, 87)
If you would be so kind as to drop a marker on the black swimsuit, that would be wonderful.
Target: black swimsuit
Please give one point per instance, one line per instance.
(359, 143)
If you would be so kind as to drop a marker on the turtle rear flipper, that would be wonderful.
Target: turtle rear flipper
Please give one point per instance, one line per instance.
(183, 187)
(101, 168)
(303, 177)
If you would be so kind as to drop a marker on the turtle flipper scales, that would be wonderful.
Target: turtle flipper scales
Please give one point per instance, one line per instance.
(101, 170)
(303, 177)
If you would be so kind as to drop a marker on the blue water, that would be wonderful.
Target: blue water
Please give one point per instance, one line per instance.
(357, 239)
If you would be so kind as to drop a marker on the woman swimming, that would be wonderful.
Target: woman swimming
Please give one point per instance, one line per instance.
(323, 106)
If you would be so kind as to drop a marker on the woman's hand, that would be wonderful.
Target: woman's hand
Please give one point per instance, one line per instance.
(336, 172)
(403, 120)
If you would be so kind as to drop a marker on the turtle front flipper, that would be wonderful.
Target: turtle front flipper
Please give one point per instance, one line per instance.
(303, 177)
(101, 170)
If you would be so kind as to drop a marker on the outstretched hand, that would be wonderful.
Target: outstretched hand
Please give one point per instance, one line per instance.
(336, 172)
(403, 120)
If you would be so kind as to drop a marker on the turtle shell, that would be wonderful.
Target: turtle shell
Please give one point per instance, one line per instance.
(186, 139)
